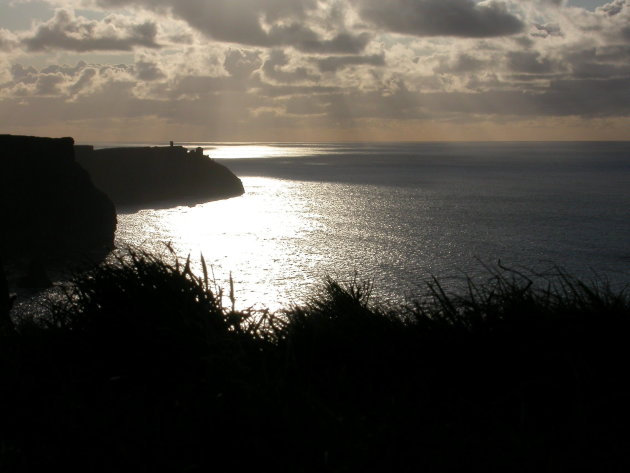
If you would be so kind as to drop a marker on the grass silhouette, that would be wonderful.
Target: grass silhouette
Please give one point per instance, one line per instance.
(142, 367)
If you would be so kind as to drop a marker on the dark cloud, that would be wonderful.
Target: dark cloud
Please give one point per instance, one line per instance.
(263, 23)
(463, 18)
(594, 70)
(148, 71)
(20, 73)
(230, 21)
(529, 62)
(220, 15)
(240, 64)
(548, 29)
(67, 32)
(588, 97)
(274, 69)
(570, 97)
(600, 63)
(334, 63)
(393, 102)
(564, 97)
(48, 84)
(463, 63)
(305, 40)
(84, 80)
(64, 69)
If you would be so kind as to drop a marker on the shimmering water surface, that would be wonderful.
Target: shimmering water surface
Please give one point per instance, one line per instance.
(399, 213)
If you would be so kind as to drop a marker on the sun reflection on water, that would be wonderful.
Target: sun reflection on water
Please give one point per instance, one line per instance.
(241, 151)
(247, 237)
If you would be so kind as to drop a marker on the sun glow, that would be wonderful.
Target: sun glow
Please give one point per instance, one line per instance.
(256, 151)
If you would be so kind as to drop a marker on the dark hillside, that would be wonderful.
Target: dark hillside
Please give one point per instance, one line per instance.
(142, 368)
(48, 203)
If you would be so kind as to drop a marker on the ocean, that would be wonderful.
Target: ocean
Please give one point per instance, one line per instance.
(398, 214)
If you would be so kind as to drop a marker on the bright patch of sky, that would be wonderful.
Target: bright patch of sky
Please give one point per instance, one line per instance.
(19, 16)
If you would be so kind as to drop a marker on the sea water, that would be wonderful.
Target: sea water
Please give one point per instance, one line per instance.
(399, 214)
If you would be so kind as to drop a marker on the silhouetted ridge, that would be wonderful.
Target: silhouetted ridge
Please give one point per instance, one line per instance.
(153, 174)
(48, 203)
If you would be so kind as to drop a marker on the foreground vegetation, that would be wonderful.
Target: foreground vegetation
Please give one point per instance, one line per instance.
(142, 367)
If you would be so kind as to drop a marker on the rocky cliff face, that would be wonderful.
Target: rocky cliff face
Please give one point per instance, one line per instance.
(48, 203)
(141, 176)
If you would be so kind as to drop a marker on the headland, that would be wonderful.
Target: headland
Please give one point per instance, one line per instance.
(147, 175)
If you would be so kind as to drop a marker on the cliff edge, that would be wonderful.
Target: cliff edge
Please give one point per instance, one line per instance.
(48, 203)
(137, 176)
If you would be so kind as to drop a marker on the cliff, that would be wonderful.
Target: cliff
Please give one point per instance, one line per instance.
(137, 176)
(48, 203)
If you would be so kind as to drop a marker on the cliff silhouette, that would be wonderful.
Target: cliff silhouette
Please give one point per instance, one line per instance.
(48, 204)
(139, 176)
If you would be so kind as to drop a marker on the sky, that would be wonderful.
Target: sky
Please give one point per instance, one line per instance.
(315, 70)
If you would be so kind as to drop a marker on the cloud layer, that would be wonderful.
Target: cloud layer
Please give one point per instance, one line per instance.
(249, 69)
(66, 31)
(462, 18)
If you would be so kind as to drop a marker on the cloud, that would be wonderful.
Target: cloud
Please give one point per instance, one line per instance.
(334, 63)
(262, 23)
(48, 84)
(21, 73)
(62, 81)
(66, 31)
(460, 18)
(148, 70)
(602, 63)
(460, 64)
(613, 8)
(394, 101)
(275, 69)
(548, 29)
(244, 66)
(8, 40)
(84, 81)
(240, 63)
(618, 14)
(529, 62)
(306, 40)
